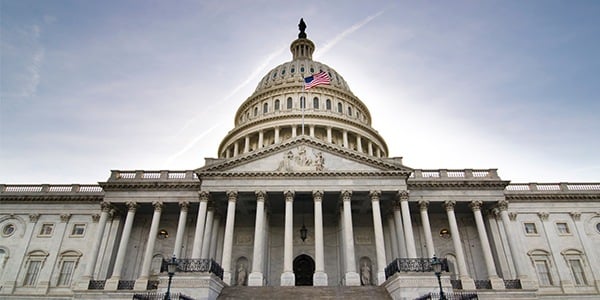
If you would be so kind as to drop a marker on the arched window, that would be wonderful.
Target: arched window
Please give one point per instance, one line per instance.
(68, 263)
(328, 104)
(350, 111)
(316, 103)
(339, 105)
(35, 262)
(542, 265)
(302, 102)
(256, 111)
(289, 103)
(575, 261)
(265, 108)
(276, 104)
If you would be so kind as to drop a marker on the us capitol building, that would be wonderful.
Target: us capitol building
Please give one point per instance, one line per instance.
(303, 193)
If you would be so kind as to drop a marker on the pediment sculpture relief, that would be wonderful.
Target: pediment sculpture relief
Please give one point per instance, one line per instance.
(300, 160)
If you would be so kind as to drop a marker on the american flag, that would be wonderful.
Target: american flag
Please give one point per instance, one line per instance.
(316, 79)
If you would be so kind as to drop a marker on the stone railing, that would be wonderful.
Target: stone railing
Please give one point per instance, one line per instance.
(445, 174)
(412, 265)
(553, 187)
(160, 296)
(88, 189)
(141, 175)
(195, 265)
(450, 296)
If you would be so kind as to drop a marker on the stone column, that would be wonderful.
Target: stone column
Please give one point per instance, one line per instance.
(463, 274)
(311, 131)
(359, 144)
(513, 245)
(589, 250)
(276, 135)
(113, 282)
(200, 223)
(214, 236)
(236, 149)
(287, 277)
(246, 144)
(228, 239)
(393, 237)
(399, 230)
(260, 139)
(329, 138)
(319, 277)
(88, 274)
(423, 205)
(411, 250)
(345, 139)
(294, 131)
(256, 277)
(351, 278)
(370, 147)
(207, 230)
(378, 230)
(183, 210)
(496, 282)
(142, 282)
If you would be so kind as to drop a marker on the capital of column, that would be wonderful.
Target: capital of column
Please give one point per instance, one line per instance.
(346, 195)
(576, 215)
(34, 217)
(184, 205)
(131, 206)
(403, 195)
(64, 218)
(232, 196)
(512, 215)
(95, 218)
(502, 205)
(423, 204)
(375, 195)
(543, 215)
(105, 206)
(476, 205)
(158, 205)
(203, 195)
(449, 205)
(317, 196)
(261, 196)
(289, 195)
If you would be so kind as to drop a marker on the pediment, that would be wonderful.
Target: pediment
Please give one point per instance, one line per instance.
(302, 155)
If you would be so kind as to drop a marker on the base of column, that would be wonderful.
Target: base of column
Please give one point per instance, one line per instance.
(320, 279)
(497, 283)
(227, 277)
(82, 284)
(527, 284)
(288, 279)
(467, 283)
(255, 279)
(380, 277)
(351, 279)
(112, 284)
(141, 284)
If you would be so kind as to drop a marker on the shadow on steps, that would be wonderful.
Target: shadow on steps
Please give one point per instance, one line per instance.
(304, 292)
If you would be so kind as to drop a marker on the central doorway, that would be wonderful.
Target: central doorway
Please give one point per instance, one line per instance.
(304, 268)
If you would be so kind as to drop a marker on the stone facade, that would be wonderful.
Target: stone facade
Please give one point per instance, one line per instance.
(303, 194)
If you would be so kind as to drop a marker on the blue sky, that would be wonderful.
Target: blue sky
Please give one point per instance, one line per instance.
(92, 86)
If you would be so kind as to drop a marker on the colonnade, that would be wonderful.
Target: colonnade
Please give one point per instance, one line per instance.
(399, 222)
(257, 139)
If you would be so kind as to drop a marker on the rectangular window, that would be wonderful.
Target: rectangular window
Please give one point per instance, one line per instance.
(563, 228)
(541, 267)
(577, 270)
(530, 228)
(32, 273)
(78, 229)
(66, 273)
(47, 229)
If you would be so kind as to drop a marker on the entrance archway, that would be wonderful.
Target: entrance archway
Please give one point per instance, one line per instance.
(304, 268)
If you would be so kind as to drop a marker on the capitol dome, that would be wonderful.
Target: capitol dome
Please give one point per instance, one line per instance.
(274, 112)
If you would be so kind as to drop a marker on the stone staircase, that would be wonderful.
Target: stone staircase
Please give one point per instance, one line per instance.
(304, 292)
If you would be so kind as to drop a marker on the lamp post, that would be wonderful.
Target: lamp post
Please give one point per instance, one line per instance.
(171, 268)
(436, 264)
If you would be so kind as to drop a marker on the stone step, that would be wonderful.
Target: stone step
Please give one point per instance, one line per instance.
(304, 292)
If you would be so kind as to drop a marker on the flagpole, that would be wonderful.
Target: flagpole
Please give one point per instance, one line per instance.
(303, 104)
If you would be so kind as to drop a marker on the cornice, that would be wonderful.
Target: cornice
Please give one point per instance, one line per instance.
(313, 174)
(51, 198)
(150, 186)
(475, 184)
(514, 197)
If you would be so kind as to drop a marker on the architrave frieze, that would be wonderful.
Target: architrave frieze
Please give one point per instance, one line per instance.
(513, 197)
(151, 186)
